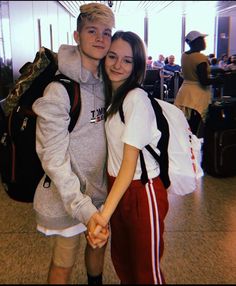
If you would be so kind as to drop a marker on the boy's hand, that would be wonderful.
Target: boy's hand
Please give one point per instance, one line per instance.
(100, 239)
(102, 233)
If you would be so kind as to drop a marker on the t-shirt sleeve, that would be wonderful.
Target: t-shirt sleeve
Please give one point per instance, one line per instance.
(139, 117)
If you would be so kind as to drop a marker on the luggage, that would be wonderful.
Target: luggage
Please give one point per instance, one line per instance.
(20, 167)
(219, 148)
(180, 150)
(229, 86)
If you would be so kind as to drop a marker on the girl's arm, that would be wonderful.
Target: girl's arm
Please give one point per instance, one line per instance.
(122, 181)
(121, 184)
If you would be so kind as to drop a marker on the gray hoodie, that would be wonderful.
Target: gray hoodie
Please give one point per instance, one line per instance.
(74, 161)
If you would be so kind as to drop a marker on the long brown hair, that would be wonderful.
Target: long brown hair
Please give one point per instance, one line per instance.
(135, 79)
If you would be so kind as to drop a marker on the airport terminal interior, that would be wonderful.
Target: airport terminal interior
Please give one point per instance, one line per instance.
(200, 228)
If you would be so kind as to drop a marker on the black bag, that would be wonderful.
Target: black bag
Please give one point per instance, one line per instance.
(229, 85)
(20, 166)
(219, 148)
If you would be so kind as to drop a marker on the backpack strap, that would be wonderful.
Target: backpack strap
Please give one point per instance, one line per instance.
(162, 145)
(73, 90)
(144, 175)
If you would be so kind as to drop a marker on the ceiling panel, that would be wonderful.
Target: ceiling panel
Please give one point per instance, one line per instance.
(122, 7)
(150, 7)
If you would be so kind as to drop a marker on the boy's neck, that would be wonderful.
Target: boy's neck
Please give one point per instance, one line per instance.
(90, 64)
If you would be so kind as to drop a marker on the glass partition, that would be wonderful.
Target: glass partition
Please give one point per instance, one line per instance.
(6, 74)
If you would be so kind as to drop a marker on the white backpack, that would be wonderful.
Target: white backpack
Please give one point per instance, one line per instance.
(184, 151)
(180, 158)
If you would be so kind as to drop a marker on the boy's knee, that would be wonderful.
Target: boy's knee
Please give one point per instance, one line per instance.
(65, 250)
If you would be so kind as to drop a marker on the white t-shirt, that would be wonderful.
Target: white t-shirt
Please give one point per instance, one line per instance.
(139, 130)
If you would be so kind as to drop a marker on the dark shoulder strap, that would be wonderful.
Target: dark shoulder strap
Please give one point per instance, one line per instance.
(73, 90)
(162, 145)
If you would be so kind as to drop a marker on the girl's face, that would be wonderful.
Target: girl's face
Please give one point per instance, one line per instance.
(119, 62)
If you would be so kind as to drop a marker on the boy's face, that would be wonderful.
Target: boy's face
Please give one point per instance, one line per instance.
(94, 40)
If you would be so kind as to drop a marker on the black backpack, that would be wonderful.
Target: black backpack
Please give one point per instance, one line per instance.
(20, 167)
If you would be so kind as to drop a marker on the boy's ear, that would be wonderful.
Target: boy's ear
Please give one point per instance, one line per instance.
(76, 37)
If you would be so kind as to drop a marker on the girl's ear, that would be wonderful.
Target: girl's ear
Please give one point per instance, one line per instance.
(76, 37)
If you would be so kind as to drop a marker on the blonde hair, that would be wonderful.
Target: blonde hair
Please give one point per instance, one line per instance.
(95, 12)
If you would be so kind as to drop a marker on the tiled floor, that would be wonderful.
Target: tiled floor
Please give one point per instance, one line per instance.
(200, 240)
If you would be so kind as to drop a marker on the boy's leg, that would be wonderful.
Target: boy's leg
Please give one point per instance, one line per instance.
(94, 262)
(64, 254)
(59, 275)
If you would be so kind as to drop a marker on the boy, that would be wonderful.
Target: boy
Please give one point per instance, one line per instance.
(75, 162)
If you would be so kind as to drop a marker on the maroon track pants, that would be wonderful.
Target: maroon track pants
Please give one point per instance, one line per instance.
(137, 227)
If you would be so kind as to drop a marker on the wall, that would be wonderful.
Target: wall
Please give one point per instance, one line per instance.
(34, 24)
(232, 35)
(230, 13)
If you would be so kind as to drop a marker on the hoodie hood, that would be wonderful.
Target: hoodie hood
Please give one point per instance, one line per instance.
(69, 64)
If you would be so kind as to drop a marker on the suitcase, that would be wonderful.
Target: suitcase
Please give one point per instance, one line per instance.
(219, 147)
(229, 86)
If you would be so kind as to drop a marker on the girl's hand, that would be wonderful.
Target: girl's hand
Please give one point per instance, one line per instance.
(95, 237)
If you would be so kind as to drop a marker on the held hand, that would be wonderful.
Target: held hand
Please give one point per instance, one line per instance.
(102, 236)
(96, 219)
(94, 241)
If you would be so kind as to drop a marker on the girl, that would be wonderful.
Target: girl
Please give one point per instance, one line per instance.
(136, 211)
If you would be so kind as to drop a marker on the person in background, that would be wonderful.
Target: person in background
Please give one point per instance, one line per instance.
(75, 162)
(210, 57)
(149, 62)
(229, 60)
(215, 68)
(194, 95)
(168, 73)
(136, 210)
(232, 65)
(171, 65)
(159, 64)
(223, 61)
(166, 61)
